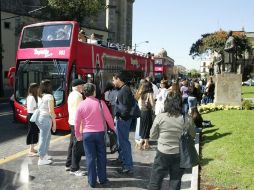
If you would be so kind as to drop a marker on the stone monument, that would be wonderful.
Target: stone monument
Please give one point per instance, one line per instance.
(228, 84)
(228, 89)
(217, 61)
(230, 54)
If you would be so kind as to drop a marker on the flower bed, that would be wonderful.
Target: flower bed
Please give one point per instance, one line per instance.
(212, 107)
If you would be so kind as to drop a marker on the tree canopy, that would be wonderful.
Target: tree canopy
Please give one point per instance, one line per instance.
(216, 42)
(194, 73)
(76, 9)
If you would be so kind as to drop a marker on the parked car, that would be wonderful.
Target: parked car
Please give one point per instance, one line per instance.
(249, 82)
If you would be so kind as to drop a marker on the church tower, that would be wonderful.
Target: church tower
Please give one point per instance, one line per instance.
(119, 15)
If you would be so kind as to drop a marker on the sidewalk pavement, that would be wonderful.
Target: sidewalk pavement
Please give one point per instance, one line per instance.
(7, 94)
(4, 99)
(24, 173)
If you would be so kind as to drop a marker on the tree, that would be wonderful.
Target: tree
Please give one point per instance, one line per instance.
(75, 9)
(216, 41)
(194, 73)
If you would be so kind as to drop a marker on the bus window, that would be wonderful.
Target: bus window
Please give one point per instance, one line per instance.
(36, 71)
(46, 36)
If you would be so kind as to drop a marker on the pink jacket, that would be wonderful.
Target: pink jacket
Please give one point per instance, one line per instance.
(89, 114)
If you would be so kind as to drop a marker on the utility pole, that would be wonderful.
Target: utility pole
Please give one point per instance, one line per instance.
(136, 45)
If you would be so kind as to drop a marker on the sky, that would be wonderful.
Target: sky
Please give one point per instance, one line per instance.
(176, 24)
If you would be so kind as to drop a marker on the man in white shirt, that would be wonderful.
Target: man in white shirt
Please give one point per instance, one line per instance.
(75, 149)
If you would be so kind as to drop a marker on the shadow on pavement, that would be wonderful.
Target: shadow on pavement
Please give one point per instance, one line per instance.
(6, 127)
(58, 152)
(61, 133)
(10, 180)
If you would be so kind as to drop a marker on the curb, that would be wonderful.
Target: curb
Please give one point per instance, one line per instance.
(4, 99)
(195, 170)
(194, 175)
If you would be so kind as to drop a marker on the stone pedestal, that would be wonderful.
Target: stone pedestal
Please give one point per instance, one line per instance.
(228, 89)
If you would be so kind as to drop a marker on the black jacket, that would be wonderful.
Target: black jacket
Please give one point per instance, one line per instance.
(124, 102)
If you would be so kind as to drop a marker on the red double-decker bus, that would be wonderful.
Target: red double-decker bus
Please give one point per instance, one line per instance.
(163, 68)
(51, 50)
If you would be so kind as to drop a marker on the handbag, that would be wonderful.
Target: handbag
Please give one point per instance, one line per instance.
(110, 135)
(36, 114)
(188, 153)
(135, 111)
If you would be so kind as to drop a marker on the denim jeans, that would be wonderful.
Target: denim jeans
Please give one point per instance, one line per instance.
(44, 123)
(192, 101)
(137, 136)
(163, 165)
(185, 105)
(122, 131)
(210, 97)
(95, 150)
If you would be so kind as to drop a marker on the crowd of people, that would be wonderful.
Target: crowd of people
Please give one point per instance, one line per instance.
(165, 110)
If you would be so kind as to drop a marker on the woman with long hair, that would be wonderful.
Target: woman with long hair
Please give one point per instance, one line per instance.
(210, 87)
(137, 135)
(197, 118)
(46, 120)
(146, 104)
(174, 88)
(33, 130)
(193, 96)
(167, 128)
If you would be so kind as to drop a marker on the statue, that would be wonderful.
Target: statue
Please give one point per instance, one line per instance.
(211, 69)
(230, 54)
(217, 62)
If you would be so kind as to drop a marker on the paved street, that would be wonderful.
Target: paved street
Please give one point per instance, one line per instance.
(17, 171)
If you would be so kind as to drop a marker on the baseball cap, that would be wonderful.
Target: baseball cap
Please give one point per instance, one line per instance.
(77, 82)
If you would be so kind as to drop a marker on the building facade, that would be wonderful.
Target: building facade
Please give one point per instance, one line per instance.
(205, 65)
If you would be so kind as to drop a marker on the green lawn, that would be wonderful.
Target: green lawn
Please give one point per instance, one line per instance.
(247, 91)
(228, 150)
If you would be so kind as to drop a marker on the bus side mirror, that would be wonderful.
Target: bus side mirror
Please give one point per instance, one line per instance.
(11, 74)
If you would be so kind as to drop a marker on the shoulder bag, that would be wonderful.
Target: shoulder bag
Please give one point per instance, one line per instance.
(110, 135)
(36, 114)
(188, 153)
(135, 111)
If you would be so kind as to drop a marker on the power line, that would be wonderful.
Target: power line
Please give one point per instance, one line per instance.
(29, 12)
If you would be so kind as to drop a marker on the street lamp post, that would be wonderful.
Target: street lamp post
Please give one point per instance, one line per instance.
(136, 45)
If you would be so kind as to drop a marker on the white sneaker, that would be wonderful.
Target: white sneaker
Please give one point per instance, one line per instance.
(78, 173)
(67, 168)
(47, 157)
(44, 162)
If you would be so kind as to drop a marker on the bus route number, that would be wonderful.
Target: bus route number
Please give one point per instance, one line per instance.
(61, 52)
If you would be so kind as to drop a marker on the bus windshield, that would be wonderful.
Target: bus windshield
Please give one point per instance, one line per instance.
(46, 36)
(36, 71)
